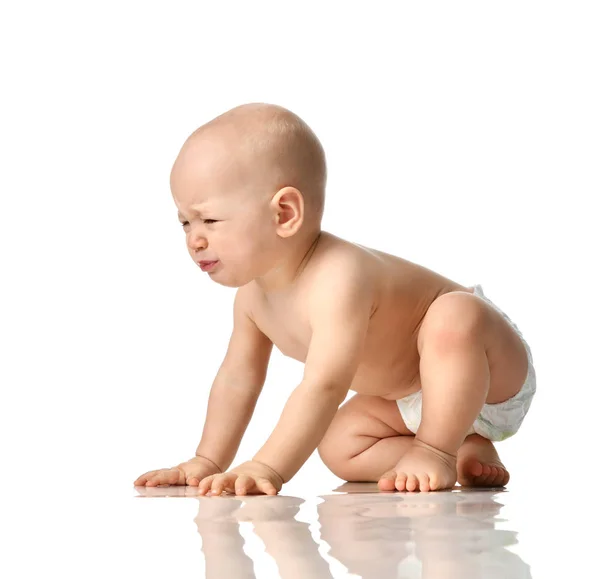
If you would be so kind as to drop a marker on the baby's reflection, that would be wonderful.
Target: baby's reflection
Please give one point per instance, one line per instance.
(421, 535)
(287, 540)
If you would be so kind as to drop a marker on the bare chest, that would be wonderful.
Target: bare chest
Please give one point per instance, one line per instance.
(389, 365)
(404, 291)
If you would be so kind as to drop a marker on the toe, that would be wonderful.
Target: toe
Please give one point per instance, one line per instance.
(401, 479)
(473, 473)
(386, 481)
(475, 468)
(493, 479)
(412, 483)
(484, 480)
(488, 480)
(424, 485)
(494, 476)
(466, 470)
(498, 476)
(501, 477)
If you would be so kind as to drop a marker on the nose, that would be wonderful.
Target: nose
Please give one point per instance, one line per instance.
(197, 241)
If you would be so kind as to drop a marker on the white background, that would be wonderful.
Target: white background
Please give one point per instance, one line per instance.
(463, 136)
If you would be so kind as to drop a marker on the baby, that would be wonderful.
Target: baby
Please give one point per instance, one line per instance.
(438, 370)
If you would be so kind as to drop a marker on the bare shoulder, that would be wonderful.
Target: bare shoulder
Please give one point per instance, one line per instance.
(247, 298)
(341, 262)
(344, 274)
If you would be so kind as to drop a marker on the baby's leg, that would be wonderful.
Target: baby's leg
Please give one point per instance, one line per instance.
(366, 438)
(455, 342)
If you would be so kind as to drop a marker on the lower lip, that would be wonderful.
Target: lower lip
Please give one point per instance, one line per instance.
(209, 266)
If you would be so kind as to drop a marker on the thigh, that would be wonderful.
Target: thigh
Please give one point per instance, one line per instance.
(462, 315)
(359, 424)
(369, 416)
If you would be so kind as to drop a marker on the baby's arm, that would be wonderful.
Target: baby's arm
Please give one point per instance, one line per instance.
(231, 402)
(236, 387)
(339, 308)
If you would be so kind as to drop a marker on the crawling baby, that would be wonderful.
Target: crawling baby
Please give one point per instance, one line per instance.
(439, 371)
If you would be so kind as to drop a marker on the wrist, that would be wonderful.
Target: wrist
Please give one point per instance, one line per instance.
(209, 461)
(275, 473)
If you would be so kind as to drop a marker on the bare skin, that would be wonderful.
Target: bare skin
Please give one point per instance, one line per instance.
(389, 367)
(358, 318)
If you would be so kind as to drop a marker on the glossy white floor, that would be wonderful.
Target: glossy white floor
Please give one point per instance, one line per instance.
(355, 533)
(99, 530)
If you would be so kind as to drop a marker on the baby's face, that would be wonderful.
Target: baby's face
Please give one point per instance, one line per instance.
(225, 215)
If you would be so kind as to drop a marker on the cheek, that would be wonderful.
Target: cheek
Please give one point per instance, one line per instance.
(236, 249)
(248, 249)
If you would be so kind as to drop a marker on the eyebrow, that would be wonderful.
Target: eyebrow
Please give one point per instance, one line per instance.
(180, 215)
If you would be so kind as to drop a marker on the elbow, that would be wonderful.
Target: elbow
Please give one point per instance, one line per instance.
(337, 389)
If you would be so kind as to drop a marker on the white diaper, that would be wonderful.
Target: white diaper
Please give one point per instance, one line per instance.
(495, 421)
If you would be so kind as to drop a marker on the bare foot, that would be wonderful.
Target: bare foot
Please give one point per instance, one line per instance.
(423, 468)
(478, 464)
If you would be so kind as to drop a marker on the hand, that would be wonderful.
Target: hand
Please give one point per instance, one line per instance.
(251, 477)
(186, 473)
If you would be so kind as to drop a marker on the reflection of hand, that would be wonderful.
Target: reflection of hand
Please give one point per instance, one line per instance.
(251, 477)
(190, 472)
(223, 511)
(261, 509)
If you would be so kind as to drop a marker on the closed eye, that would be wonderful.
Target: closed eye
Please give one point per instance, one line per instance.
(206, 221)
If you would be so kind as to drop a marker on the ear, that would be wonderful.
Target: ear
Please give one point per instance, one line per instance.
(288, 210)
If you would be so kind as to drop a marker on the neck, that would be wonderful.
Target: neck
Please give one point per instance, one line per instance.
(288, 270)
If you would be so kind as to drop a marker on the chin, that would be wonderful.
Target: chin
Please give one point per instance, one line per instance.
(230, 282)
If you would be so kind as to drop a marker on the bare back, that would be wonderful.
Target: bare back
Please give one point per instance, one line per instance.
(403, 293)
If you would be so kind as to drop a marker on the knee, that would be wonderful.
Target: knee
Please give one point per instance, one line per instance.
(453, 319)
(329, 451)
(334, 453)
(340, 466)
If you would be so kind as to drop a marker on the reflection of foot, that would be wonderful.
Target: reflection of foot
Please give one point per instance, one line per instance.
(478, 464)
(423, 467)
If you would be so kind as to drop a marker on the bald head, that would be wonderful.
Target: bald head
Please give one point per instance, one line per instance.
(274, 146)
